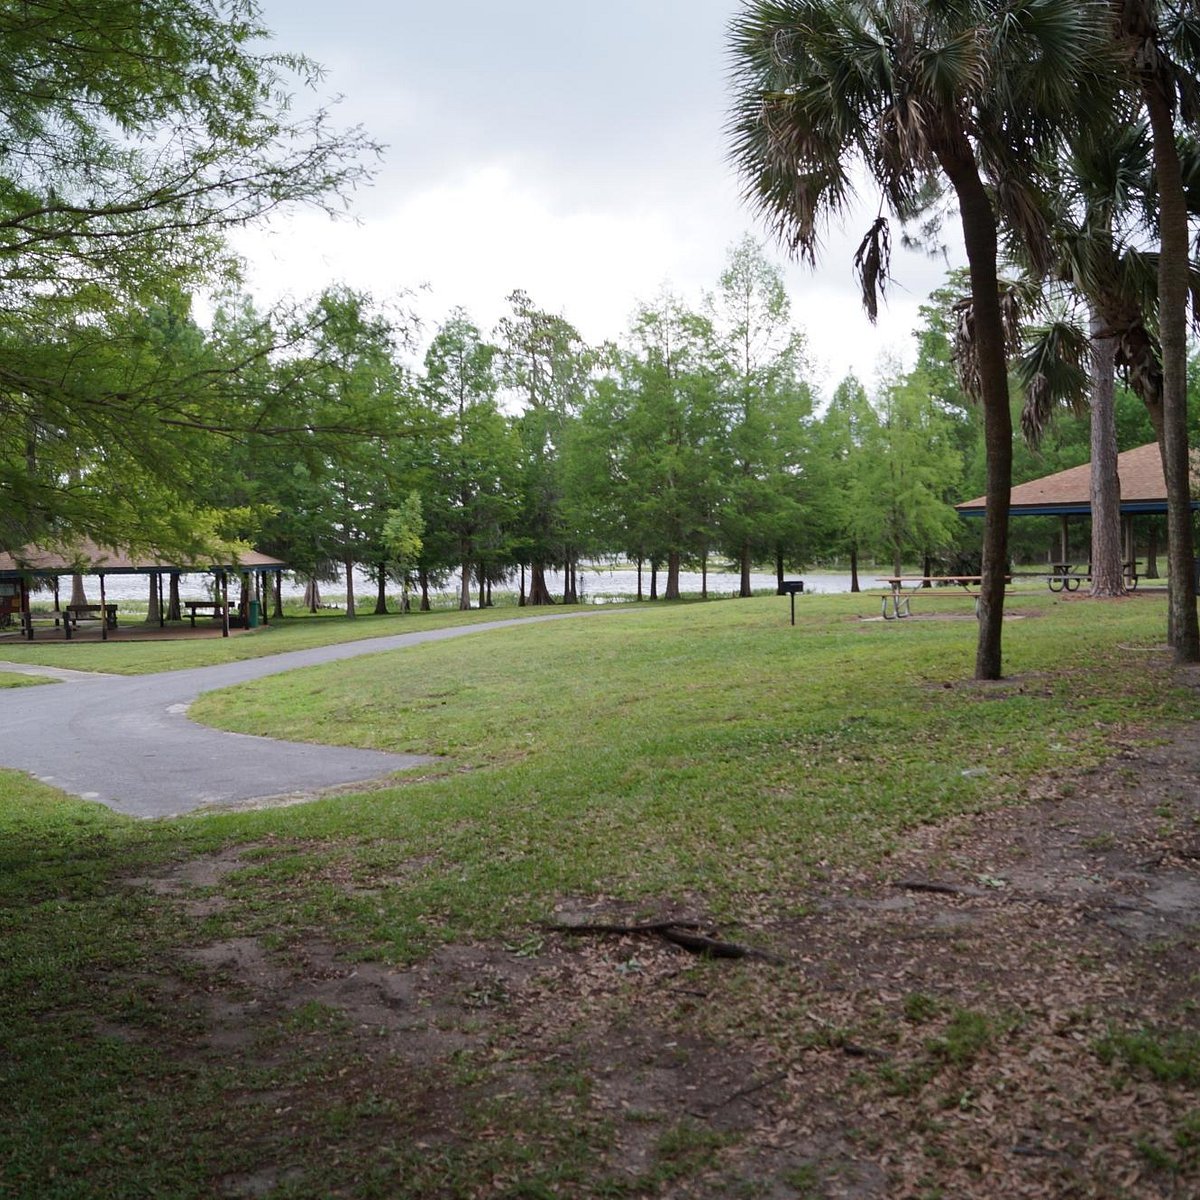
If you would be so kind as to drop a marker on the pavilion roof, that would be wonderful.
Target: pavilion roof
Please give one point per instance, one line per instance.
(86, 558)
(1143, 489)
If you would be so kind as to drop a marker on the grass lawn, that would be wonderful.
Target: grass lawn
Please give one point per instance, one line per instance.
(706, 758)
(120, 656)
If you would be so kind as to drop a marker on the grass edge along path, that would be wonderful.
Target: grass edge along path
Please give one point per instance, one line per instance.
(702, 758)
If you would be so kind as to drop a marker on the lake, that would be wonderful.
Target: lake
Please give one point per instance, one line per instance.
(596, 585)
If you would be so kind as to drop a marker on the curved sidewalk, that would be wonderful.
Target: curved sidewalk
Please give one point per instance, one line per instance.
(127, 742)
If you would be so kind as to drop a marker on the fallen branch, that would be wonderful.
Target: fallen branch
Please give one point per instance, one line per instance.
(680, 933)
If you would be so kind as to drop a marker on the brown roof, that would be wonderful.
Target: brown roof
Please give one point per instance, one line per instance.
(1142, 487)
(86, 558)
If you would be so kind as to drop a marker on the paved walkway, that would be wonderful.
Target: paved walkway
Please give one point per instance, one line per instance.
(126, 741)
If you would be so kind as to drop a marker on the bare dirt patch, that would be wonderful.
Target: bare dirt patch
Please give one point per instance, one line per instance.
(1004, 1007)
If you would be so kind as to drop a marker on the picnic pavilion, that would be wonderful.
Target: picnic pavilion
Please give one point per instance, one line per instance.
(23, 568)
(1068, 494)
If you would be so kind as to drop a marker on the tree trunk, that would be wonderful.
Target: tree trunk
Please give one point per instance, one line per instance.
(277, 589)
(1183, 630)
(174, 608)
(381, 593)
(539, 593)
(464, 584)
(312, 595)
(351, 611)
(854, 568)
(78, 595)
(744, 563)
(521, 594)
(423, 581)
(482, 587)
(569, 593)
(979, 237)
(672, 592)
(654, 579)
(152, 608)
(489, 592)
(1107, 576)
(640, 596)
(779, 570)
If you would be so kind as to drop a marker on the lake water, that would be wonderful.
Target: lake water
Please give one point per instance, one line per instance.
(597, 584)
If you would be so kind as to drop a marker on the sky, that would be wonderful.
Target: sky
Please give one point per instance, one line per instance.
(571, 148)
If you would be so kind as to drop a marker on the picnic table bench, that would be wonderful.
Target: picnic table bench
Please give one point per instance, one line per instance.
(213, 607)
(1065, 576)
(69, 617)
(91, 612)
(904, 587)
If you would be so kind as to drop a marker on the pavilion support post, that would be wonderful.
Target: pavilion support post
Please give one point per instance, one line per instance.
(1130, 552)
(224, 604)
(279, 594)
(103, 611)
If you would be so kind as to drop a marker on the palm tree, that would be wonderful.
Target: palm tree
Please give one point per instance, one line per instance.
(918, 94)
(1103, 206)
(1097, 201)
(1161, 43)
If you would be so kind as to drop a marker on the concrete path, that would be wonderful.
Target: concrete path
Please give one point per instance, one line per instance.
(126, 741)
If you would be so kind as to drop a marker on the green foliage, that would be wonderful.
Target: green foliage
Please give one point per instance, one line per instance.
(134, 137)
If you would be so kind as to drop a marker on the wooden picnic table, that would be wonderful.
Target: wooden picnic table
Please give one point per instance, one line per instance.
(68, 617)
(1066, 576)
(77, 612)
(213, 607)
(904, 587)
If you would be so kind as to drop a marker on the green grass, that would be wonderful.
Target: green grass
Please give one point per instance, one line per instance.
(707, 754)
(9, 679)
(294, 632)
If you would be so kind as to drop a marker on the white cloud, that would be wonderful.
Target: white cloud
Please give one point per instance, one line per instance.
(574, 151)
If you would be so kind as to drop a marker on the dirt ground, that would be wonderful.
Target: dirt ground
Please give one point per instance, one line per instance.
(1006, 1007)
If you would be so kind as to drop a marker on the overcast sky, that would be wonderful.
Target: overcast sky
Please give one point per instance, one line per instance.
(571, 148)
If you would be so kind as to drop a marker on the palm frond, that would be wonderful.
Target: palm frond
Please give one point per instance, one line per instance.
(872, 262)
(1053, 371)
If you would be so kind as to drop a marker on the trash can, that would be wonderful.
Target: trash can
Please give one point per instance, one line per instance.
(252, 618)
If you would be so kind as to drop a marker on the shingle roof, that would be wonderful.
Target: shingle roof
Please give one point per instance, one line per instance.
(1142, 488)
(86, 558)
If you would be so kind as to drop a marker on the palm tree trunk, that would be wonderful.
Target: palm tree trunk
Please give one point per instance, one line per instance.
(1107, 578)
(1182, 627)
(979, 236)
